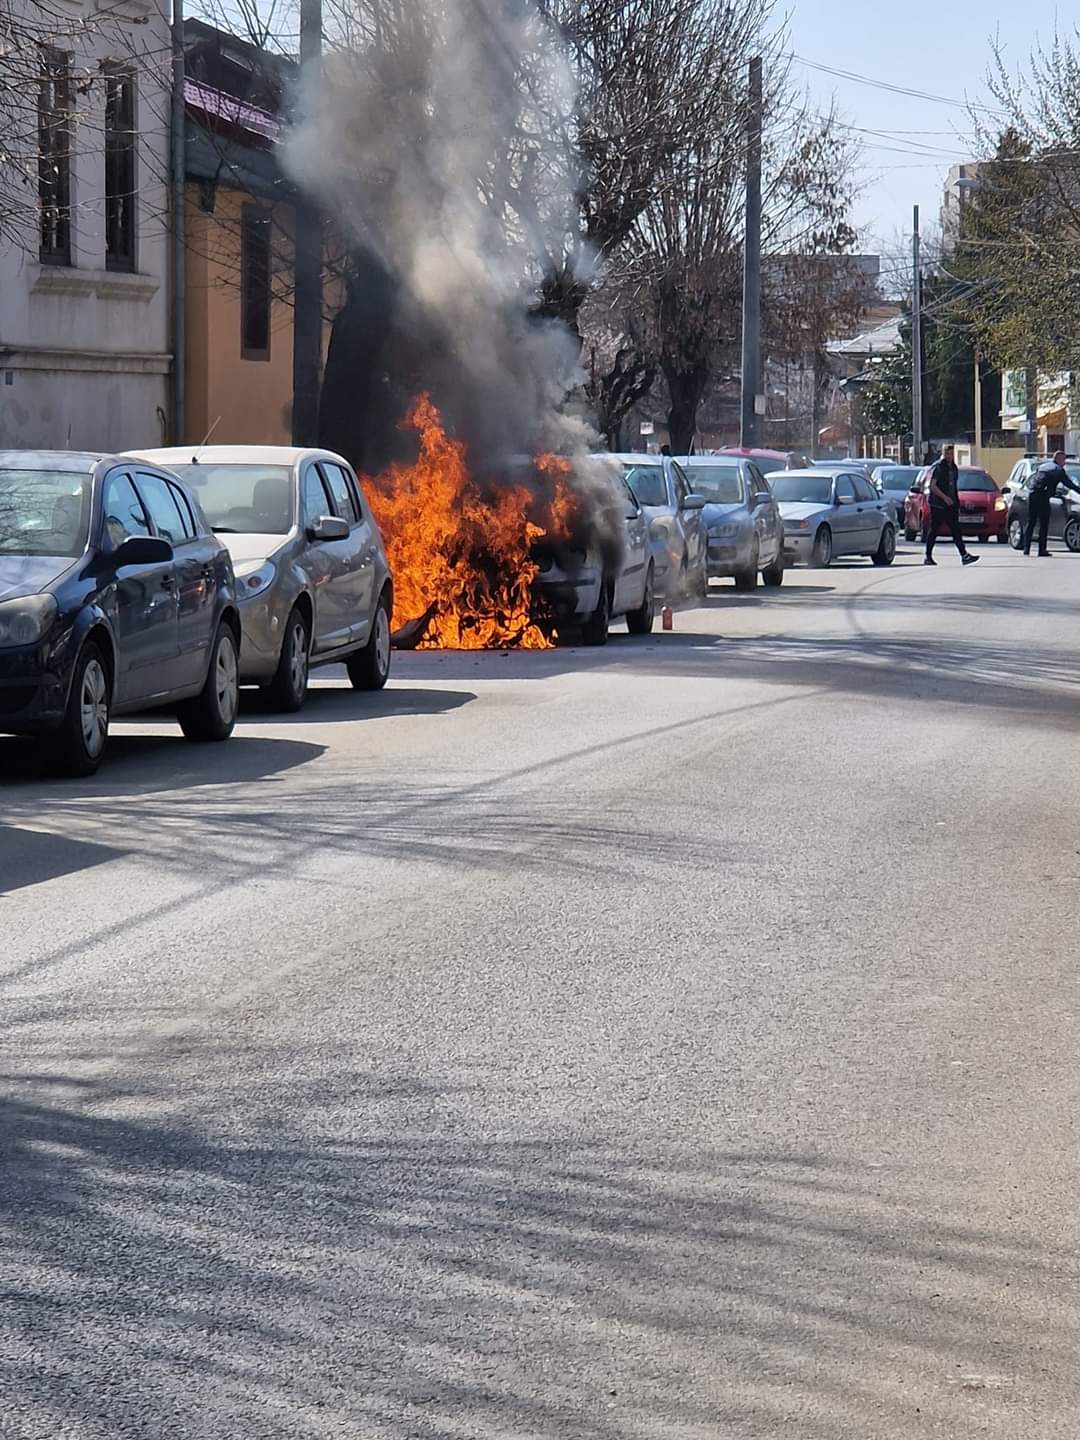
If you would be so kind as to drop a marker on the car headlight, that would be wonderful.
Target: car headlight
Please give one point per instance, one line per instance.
(796, 524)
(723, 532)
(26, 621)
(253, 579)
(999, 504)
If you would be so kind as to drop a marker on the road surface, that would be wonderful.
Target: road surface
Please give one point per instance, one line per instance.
(668, 1042)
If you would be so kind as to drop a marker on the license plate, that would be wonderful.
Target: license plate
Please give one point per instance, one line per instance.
(976, 516)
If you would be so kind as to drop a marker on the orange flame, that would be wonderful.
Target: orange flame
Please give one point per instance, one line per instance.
(462, 558)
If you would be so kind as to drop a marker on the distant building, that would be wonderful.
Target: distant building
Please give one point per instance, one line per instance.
(84, 302)
(961, 181)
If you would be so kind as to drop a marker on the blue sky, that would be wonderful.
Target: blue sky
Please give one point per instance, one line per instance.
(938, 46)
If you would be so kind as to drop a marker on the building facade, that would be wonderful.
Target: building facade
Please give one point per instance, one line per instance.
(84, 292)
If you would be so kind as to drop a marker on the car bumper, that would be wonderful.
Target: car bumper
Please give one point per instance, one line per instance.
(262, 625)
(726, 557)
(569, 597)
(798, 548)
(33, 691)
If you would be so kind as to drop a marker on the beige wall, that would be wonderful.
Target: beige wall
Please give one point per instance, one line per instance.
(241, 401)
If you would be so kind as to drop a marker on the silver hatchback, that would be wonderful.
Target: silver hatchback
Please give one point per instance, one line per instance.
(312, 579)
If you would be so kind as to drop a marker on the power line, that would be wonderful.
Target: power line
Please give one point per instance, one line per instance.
(896, 89)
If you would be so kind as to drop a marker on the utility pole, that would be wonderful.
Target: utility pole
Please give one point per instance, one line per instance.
(307, 280)
(978, 408)
(1031, 384)
(179, 252)
(916, 346)
(751, 309)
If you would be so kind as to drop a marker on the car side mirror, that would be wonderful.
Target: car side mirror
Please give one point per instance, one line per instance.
(693, 502)
(328, 528)
(761, 498)
(142, 550)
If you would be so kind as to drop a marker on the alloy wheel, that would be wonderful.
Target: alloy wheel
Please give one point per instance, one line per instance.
(226, 684)
(382, 640)
(298, 657)
(94, 708)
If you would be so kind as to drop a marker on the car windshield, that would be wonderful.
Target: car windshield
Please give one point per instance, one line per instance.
(802, 489)
(243, 499)
(648, 484)
(897, 477)
(976, 480)
(719, 484)
(43, 512)
(769, 467)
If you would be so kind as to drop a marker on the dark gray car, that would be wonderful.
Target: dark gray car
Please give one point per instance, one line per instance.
(312, 580)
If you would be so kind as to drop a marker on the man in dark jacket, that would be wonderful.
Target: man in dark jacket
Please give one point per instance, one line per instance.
(1043, 488)
(945, 507)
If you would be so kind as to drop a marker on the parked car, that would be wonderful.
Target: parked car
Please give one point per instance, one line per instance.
(1024, 469)
(829, 514)
(767, 461)
(893, 483)
(583, 595)
(115, 596)
(1064, 505)
(312, 579)
(743, 521)
(676, 527)
(983, 511)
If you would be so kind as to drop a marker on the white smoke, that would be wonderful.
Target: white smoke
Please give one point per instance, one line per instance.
(437, 136)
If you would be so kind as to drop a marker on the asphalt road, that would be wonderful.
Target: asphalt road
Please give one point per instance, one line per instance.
(675, 1041)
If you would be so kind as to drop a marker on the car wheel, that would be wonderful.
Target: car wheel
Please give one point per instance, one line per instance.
(1071, 534)
(595, 629)
(211, 716)
(821, 557)
(1003, 538)
(369, 668)
(747, 579)
(1016, 534)
(640, 622)
(885, 554)
(78, 747)
(289, 686)
(773, 575)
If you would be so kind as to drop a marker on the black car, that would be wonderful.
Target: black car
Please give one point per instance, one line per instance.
(115, 596)
(1064, 504)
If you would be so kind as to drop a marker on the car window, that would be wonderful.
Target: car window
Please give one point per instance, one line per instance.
(682, 488)
(187, 519)
(123, 512)
(157, 498)
(720, 484)
(344, 503)
(845, 490)
(864, 490)
(316, 500)
(978, 481)
(356, 493)
(758, 484)
(648, 483)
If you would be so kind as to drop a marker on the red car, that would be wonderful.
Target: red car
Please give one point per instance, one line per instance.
(766, 460)
(984, 514)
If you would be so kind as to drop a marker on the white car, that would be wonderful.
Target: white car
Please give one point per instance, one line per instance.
(312, 580)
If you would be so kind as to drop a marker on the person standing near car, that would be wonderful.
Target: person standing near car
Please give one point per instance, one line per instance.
(1044, 486)
(945, 507)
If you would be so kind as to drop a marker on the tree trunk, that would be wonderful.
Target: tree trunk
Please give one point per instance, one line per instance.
(352, 413)
(686, 387)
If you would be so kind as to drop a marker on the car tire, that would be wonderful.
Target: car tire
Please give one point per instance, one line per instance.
(1071, 534)
(288, 689)
(640, 622)
(885, 554)
(211, 716)
(78, 747)
(1016, 533)
(369, 668)
(822, 555)
(747, 579)
(595, 629)
(1003, 538)
(773, 575)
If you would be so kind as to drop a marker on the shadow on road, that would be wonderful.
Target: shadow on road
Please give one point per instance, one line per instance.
(146, 764)
(329, 703)
(27, 857)
(397, 1277)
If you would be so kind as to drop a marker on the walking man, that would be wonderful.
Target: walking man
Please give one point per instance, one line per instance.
(1044, 485)
(945, 507)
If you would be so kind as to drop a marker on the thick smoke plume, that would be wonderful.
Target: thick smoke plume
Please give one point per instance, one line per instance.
(437, 137)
